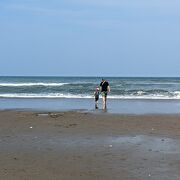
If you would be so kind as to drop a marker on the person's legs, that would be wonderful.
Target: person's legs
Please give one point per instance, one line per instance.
(104, 101)
(96, 104)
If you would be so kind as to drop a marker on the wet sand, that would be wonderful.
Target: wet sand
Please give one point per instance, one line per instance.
(75, 146)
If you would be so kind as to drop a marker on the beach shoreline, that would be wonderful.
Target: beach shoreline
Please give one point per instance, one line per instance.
(83, 145)
(113, 106)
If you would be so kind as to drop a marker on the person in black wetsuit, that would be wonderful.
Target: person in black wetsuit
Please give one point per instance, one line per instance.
(104, 89)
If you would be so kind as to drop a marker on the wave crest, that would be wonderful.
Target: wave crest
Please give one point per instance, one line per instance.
(31, 84)
(173, 96)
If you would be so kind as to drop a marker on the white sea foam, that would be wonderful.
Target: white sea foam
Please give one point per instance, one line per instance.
(140, 93)
(50, 95)
(147, 97)
(31, 84)
(83, 96)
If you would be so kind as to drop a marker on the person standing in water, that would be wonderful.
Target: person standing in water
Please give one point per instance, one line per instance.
(96, 97)
(104, 89)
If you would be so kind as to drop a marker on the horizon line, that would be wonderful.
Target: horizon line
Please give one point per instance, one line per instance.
(90, 76)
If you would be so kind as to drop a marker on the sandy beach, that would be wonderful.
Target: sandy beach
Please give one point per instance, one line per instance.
(75, 146)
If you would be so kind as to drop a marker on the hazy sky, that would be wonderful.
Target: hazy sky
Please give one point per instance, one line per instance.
(90, 37)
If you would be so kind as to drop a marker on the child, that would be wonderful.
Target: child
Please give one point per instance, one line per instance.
(96, 96)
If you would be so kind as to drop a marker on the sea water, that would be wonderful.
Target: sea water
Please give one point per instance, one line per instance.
(77, 93)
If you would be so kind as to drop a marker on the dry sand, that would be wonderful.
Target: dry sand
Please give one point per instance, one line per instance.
(84, 146)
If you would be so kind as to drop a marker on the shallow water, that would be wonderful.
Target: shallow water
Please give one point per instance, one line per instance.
(114, 106)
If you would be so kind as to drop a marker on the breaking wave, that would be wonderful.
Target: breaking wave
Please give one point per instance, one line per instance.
(140, 95)
(31, 84)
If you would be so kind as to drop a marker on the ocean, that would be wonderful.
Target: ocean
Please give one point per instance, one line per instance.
(83, 87)
(128, 94)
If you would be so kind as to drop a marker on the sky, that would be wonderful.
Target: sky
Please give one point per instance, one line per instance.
(90, 38)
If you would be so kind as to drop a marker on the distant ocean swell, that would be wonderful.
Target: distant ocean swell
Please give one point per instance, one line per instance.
(83, 87)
